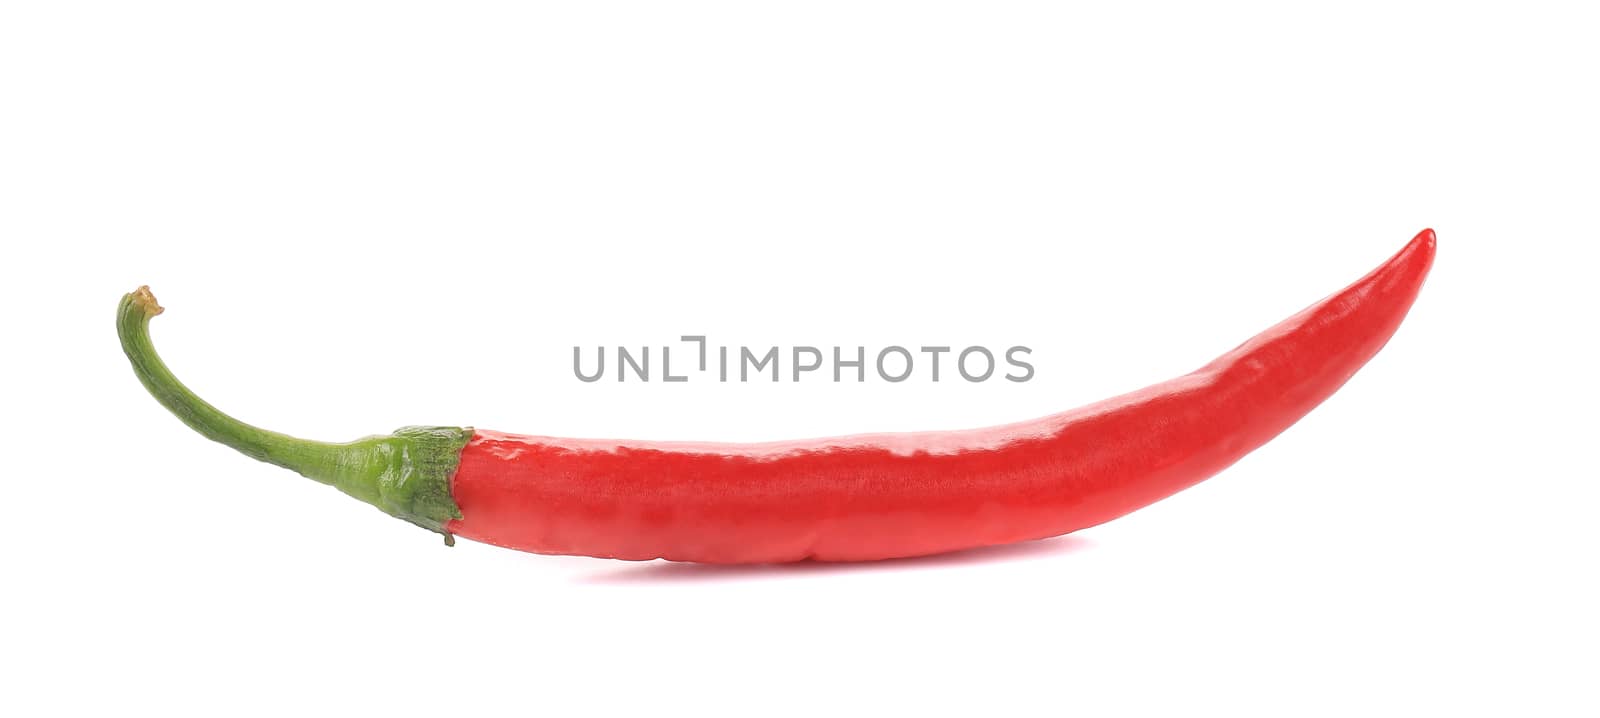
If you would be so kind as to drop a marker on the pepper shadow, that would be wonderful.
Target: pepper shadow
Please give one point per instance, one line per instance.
(660, 571)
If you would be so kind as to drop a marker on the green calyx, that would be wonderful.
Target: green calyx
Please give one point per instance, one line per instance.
(406, 474)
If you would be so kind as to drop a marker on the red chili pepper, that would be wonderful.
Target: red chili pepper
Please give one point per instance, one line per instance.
(851, 498)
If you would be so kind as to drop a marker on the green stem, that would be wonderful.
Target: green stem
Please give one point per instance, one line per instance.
(406, 474)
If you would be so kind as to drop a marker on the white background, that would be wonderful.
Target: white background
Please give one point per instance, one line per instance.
(363, 215)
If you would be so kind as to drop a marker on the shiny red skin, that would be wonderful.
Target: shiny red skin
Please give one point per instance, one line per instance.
(867, 497)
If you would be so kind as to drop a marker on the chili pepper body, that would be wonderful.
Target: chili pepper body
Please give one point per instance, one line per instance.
(849, 498)
(894, 495)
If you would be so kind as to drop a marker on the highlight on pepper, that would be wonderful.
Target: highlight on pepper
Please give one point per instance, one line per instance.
(851, 498)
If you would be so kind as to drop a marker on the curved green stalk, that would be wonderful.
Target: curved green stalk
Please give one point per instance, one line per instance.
(406, 474)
